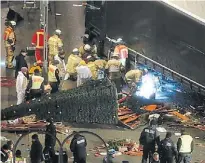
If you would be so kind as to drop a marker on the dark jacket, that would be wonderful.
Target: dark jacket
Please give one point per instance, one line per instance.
(149, 137)
(4, 156)
(78, 147)
(167, 148)
(49, 141)
(20, 62)
(36, 151)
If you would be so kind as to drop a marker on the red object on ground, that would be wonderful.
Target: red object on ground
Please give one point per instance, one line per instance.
(7, 82)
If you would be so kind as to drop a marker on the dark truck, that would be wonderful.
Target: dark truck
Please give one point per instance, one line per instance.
(155, 30)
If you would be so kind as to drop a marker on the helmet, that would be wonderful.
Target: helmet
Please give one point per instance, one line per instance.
(58, 32)
(42, 25)
(75, 51)
(13, 23)
(82, 63)
(87, 47)
(115, 55)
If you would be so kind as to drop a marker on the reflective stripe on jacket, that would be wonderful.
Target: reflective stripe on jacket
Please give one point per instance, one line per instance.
(54, 43)
(9, 34)
(186, 141)
(36, 82)
(113, 65)
(51, 73)
(38, 39)
(73, 62)
(122, 51)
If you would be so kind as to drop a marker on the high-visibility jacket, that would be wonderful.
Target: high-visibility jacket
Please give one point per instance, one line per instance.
(55, 45)
(100, 63)
(38, 39)
(20, 160)
(51, 73)
(31, 71)
(36, 82)
(9, 34)
(93, 51)
(122, 51)
(114, 65)
(133, 75)
(73, 62)
(186, 141)
(93, 69)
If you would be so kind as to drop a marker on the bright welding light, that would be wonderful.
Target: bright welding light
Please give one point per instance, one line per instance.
(148, 87)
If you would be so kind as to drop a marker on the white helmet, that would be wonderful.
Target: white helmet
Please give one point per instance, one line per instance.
(87, 47)
(13, 23)
(58, 31)
(75, 51)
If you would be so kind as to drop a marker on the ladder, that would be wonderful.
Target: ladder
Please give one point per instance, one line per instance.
(30, 5)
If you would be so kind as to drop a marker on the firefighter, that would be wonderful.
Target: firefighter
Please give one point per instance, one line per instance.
(38, 43)
(36, 150)
(149, 138)
(91, 65)
(114, 68)
(55, 45)
(9, 43)
(21, 85)
(122, 51)
(85, 51)
(100, 65)
(83, 73)
(133, 76)
(20, 61)
(53, 76)
(167, 149)
(73, 62)
(50, 141)
(185, 147)
(36, 85)
(78, 147)
(35, 66)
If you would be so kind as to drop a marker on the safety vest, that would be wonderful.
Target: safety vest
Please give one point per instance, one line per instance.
(113, 65)
(9, 34)
(186, 144)
(36, 82)
(92, 67)
(38, 39)
(20, 160)
(54, 44)
(51, 73)
(73, 62)
(122, 51)
(100, 63)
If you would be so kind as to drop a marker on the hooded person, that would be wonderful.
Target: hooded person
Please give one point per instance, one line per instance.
(36, 150)
(83, 73)
(149, 138)
(20, 62)
(73, 62)
(21, 85)
(4, 153)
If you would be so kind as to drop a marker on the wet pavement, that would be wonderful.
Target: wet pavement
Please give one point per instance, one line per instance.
(72, 24)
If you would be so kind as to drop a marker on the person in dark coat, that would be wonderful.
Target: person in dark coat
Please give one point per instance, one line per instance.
(78, 147)
(149, 138)
(4, 153)
(36, 150)
(20, 62)
(167, 149)
(50, 142)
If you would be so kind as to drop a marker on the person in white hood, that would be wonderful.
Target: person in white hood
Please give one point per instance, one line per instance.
(83, 73)
(21, 85)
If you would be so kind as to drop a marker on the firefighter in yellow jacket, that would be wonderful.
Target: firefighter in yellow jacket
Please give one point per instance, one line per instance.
(133, 76)
(92, 66)
(87, 50)
(73, 62)
(9, 43)
(100, 65)
(55, 45)
(53, 76)
(114, 68)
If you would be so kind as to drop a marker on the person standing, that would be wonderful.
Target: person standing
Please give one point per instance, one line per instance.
(4, 153)
(20, 61)
(21, 84)
(114, 68)
(83, 73)
(149, 138)
(55, 45)
(38, 43)
(167, 149)
(36, 85)
(19, 158)
(9, 43)
(36, 150)
(78, 147)
(100, 65)
(61, 66)
(53, 76)
(185, 147)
